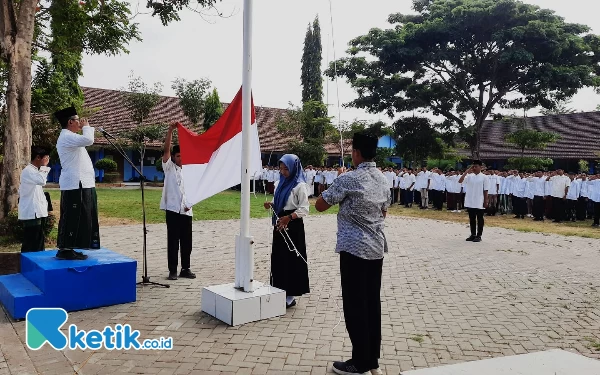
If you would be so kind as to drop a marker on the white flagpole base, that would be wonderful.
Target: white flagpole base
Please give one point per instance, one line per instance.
(235, 307)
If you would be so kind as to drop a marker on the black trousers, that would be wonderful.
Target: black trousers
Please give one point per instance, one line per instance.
(581, 208)
(78, 224)
(570, 210)
(558, 209)
(596, 213)
(33, 235)
(538, 207)
(519, 206)
(361, 287)
(438, 199)
(410, 197)
(476, 221)
(179, 234)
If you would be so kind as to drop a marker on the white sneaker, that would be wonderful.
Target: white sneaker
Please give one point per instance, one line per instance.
(454, 210)
(376, 371)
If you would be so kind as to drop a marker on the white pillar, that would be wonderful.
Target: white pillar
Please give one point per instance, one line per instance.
(245, 274)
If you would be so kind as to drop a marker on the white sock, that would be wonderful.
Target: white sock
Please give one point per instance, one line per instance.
(289, 300)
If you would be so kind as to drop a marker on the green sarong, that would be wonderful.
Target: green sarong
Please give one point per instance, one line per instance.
(78, 224)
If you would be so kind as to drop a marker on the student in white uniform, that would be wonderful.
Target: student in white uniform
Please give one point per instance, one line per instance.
(476, 198)
(33, 205)
(594, 194)
(559, 187)
(538, 189)
(78, 224)
(178, 211)
(572, 197)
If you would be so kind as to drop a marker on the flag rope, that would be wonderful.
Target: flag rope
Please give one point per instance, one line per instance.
(337, 88)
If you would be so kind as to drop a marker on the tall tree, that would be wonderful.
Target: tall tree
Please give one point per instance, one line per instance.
(560, 108)
(311, 77)
(213, 109)
(461, 59)
(526, 139)
(27, 26)
(140, 99)
(93, 27)
(192, 97)
(415, 138)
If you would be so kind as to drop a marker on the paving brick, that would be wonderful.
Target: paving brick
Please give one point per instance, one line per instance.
(443, 301)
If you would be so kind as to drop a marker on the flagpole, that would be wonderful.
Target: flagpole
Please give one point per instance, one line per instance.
(246, 255)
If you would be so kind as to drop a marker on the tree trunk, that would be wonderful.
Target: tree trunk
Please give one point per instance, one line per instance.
(17, 133)
(16, 38)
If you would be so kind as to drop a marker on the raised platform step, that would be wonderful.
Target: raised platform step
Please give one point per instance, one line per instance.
(106, 278)
(17, 293)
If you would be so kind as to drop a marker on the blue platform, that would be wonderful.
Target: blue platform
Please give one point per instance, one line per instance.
(104, 279)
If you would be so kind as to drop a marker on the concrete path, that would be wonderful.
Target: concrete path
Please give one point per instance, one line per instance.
(444, 301)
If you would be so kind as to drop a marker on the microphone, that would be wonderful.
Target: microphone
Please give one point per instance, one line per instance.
(101, 130)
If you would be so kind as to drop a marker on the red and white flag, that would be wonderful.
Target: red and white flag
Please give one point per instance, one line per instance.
(212, 161)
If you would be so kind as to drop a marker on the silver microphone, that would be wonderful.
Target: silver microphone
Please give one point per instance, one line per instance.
(105, 132)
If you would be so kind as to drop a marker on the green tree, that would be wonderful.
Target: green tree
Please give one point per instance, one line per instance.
(461, 59)
(140, 99)
(213, 109)
(65, 28)
(312, 80)
(528, 139)
(415, 138)
(560, 108)
(192, 97)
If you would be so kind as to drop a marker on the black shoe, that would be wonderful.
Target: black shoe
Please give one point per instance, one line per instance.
(291, 304)
(172, 276)
(187, 274)
(69, 254)
(471, 238)
(477, 239)
(347, 368)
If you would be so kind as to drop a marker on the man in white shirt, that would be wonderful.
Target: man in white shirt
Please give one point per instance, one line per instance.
(78, 224)
(33, 206)
(178, 211)
(559, 188)
(476, 198)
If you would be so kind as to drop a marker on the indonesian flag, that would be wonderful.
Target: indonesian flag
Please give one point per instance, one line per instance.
(212, 161)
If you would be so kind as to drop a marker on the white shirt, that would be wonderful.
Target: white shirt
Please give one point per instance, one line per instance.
(594, 191)
(558, 186)
(574, 190)
(493, 182)
(476, 184)
(297, 201)
(32, 201)
(538, 186)
(173, 195)
(74, 159)
(409, 179)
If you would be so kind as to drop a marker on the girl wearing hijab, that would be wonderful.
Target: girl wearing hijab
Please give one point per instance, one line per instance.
(289, 272)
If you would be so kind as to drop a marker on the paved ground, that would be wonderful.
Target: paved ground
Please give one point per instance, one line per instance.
(444, 301)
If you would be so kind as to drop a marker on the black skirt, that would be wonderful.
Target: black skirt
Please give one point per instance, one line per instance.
(289, 272)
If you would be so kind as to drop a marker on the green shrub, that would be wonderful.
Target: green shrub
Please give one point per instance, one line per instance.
(13, 228)
(107, 165)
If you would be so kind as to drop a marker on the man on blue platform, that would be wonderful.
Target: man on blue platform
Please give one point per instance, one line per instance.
(78, 224)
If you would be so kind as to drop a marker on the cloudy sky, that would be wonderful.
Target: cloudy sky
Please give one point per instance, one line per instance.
(211, 47)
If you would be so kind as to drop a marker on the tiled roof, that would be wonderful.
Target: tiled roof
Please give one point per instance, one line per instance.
(115, 118)
(579, 137)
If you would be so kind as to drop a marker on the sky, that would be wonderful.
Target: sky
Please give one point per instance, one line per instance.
(211, 47)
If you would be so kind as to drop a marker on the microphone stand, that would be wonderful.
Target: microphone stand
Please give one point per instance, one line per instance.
(145, 277)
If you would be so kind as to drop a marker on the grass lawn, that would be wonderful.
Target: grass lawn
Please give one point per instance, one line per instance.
(118, 206)
(581, 229)
(125, 206)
